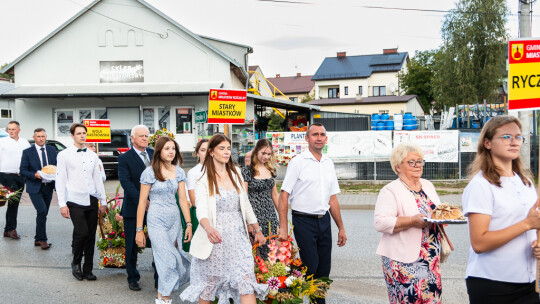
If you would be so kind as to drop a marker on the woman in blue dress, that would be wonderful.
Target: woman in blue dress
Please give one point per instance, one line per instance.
(161, 181)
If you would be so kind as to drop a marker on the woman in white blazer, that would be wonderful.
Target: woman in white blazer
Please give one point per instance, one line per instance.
(222, 265)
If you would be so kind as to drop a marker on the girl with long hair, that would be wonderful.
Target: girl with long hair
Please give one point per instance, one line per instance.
(161, 181)
(192, 176)
(259, 180)
(222, 264)
(501, 204)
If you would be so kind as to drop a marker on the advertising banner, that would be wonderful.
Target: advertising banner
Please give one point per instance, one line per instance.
(121, 71)
(227, 106)
(468, 142)
(523, 73)
(98, 130)
(438, 146)
(368, 145)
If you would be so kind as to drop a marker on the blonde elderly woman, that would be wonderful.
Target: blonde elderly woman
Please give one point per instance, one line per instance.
(410, 247)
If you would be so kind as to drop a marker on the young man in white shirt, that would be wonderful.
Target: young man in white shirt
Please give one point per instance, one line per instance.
(79, 187)
(11, 150)
(311, 186)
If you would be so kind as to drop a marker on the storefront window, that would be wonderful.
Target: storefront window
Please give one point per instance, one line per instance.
(64, 119)
(85, 114)
(148, 119)
(101, 114)
(183, 120)
(164, 118)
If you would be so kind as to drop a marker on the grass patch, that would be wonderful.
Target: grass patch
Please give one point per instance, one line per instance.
(351, 187)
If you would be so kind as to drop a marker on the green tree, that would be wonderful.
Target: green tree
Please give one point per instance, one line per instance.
(419, 76)
(3, 74)
(468, 66)
(275, 122)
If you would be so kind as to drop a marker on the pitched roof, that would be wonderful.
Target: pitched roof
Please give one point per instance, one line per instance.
(147, 5)
(293, 84)
(253, 68)
(361, 66)
(6, 87)
(365, 100)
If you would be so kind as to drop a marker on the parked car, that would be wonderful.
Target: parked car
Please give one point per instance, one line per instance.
(108, 153)
(53, 143)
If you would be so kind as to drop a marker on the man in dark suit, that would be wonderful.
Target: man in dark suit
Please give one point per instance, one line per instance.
(40, 190)
(130, 167)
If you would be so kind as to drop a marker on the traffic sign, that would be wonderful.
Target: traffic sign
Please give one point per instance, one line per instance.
(524, 73)
(227, 106)
(98, 130)
(201, 117)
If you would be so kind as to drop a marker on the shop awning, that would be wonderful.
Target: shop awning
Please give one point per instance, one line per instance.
(282, 103)
(112, 90)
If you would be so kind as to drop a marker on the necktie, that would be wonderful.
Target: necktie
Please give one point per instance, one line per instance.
(145, 158)
(43, 158)
(81, 150)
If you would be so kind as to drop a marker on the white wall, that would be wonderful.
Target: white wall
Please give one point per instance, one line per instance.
(414, 107)
(72, 56)
(236, 52)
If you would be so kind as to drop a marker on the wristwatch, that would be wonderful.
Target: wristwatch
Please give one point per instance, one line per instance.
(256, 230)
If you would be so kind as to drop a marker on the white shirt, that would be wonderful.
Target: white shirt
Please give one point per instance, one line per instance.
(38, 148)
(143, 157)
(514, 262)
(102, 170)
(310, 183)
(192, 176)
(11, 154)
(78, 177)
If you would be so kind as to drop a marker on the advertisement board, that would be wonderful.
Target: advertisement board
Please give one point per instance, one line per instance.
(121, 71)
(360, 145)
(438, 146)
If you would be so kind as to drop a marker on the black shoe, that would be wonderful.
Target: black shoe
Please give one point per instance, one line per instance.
(89, 276)
(76, 271)
(135, 286)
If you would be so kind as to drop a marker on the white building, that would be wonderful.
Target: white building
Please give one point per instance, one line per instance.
(129, 63)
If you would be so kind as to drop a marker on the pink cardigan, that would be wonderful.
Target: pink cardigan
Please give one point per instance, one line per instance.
(396, 200)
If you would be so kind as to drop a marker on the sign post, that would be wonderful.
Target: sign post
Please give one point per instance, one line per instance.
(201, 117)
(524, 87)
(98, 130)
(227, 106)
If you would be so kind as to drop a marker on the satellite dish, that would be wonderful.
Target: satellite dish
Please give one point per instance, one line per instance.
(392, 87)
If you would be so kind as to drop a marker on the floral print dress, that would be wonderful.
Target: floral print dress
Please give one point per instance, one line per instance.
(420, 281)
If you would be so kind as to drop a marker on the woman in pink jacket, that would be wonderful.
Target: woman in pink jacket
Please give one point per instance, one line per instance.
(410, 247)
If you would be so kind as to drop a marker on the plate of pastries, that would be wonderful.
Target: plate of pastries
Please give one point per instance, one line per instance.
(445, 213)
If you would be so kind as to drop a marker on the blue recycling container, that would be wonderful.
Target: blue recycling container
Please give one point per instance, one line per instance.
(389, 125)
(375, 118)
(414, 123)
(380, 126)
(385, 116)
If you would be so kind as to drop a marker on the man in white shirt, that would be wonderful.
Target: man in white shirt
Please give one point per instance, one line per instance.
(79, 187)
(11, 149)
(311, 186)
(92, 147)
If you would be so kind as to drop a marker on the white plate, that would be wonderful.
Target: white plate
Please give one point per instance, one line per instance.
(445, 221)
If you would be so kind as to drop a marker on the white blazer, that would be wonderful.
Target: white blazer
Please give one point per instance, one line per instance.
(201, 247)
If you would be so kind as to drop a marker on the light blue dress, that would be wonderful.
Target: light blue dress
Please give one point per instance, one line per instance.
(228, 273)
(164, 228)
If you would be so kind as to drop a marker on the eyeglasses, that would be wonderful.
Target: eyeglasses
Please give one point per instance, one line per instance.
(414, 164)
(508, 139)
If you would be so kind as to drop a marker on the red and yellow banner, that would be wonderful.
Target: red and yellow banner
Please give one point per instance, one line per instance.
(524, 74)
(98, 130)
(227, 106)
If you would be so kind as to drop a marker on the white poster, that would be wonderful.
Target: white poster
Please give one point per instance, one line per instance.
(360, 145)
(468, 141)
(438, 146)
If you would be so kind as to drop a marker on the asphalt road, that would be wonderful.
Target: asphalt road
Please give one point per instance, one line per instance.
(31, 275)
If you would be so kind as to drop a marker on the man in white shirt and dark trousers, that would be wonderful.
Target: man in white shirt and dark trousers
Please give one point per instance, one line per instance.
(11, 150)
(79, 187)
(311, 186)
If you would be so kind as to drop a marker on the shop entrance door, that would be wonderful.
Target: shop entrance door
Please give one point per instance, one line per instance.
(185, 135)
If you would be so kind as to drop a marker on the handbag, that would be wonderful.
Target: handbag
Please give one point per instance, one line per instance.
(446, 245)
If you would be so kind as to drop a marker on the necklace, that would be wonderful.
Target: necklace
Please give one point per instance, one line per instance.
(407, 186)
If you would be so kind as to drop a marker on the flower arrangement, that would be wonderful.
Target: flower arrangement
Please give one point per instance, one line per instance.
(285, 275)
(112, 243)
(154, 138)
(283, 159)
(8, 195)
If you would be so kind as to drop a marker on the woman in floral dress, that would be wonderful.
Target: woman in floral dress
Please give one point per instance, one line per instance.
(259, 180)
(410, 247)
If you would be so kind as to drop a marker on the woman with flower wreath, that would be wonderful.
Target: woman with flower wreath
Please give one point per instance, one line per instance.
(222, 265)
(410, 247)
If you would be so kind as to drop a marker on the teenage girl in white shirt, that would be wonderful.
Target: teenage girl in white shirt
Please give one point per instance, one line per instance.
(501, 204)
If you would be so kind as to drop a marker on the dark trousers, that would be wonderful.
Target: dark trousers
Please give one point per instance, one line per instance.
(314, 239)
(484, 291)
(13, 182)
(130, 225)
(42, 202)
(85, 220)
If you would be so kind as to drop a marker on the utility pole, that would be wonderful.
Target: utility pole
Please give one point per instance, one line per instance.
(525, 116)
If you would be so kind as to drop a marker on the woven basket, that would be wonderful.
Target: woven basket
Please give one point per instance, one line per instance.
(118, 250)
